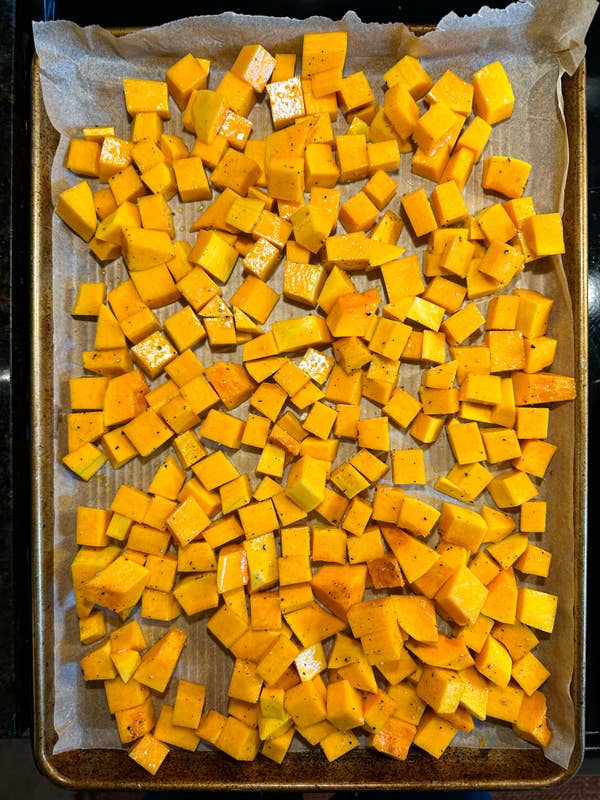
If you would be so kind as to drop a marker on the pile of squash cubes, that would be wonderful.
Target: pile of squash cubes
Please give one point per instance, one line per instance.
(355, 612)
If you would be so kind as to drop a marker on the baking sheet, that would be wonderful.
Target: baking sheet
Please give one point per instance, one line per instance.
(78, 715)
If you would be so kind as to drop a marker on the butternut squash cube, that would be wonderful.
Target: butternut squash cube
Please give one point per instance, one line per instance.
(97, 664)
(320, 166)
(255, 65)
(321, 51)
(544, 234)
(434, 127)
(75, 206)
(417, 207)
(352, 157)
(354, 92)
(475, 136)
(286, 101)
(306, 483)
(494, 662)
(537, 608)
(394, 738)
(184, 75)
(118, 586)
(529, 673)
(466, 441)
(493, 97)
(400, 109)
(196, 593)
(501, 601)
(531, 723)
(505, 175)
(133, 723)
(277, 746)
(167, 730)
(462, 596)
(83, 157)
(146, 95)
(191, 179)
(238, 740)
(463, 323)
(415, 557)
(92, 628)
(358, 213)
(146, 125)
(149, 752)
(533, 516)
(409, 70)
(305, 704)
(344, 705)
(440, 688)
(512, 488)
(462, 526)
(235, 171)
(454, 91)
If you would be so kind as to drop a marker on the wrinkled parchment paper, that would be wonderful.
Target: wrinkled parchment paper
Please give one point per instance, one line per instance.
(81, 72)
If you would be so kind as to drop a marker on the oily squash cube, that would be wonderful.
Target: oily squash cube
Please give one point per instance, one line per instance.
(75, 206)
(118, 586)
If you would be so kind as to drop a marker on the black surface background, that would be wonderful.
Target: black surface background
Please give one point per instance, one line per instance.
(15, 522)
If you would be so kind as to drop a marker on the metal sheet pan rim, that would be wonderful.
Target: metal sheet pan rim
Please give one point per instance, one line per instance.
(109, 769)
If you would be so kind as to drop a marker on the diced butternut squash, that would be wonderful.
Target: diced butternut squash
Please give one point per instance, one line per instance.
(288, 354)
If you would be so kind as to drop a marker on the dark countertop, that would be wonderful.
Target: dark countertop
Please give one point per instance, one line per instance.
(15, 523)
(15, 637)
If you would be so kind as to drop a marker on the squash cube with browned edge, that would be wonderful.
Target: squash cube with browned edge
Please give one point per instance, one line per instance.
(394, 738)
(149, 752)
(133, 723)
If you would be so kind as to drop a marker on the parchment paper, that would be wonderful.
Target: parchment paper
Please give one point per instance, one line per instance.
(81, 73)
